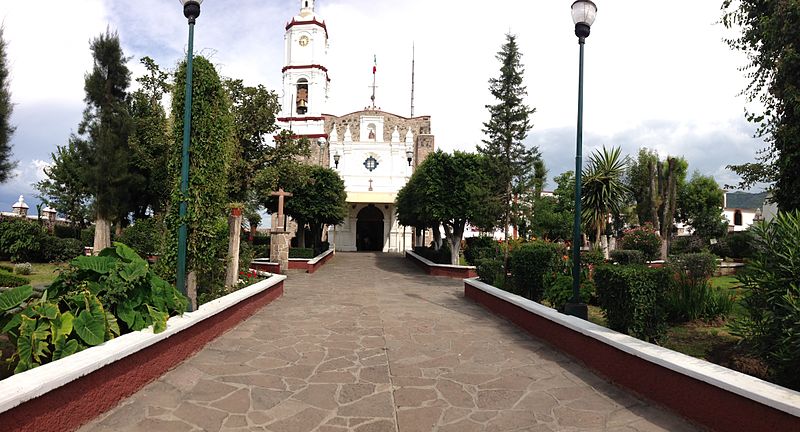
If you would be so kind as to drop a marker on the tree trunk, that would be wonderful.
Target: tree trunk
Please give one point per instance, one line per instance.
(252, 234)
(234, 237)
(301, 234)
(669, 198)
(191, 289)
(102, 234)
(118, 230)
(437, 237)
(455, 242)
(654, 195)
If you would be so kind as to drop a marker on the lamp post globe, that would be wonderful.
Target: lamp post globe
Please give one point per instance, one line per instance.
(584, 13)
(409, 156)
(191, 10)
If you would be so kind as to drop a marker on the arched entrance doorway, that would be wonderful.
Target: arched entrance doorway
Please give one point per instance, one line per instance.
(369, 229)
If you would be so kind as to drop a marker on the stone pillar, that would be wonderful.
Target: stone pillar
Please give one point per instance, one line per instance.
(279, 248)
(234, 238)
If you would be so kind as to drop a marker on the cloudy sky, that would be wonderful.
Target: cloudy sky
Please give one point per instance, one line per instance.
(658, 74)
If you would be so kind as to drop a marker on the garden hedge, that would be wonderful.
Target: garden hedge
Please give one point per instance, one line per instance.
(632, 298)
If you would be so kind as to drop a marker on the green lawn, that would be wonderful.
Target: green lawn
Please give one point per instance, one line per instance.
(728, 282)
(43, 274)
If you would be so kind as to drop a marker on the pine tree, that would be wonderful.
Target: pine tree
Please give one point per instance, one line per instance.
(512, 162)
(6, 129)
(107, 126)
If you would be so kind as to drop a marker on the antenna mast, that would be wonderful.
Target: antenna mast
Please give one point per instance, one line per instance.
(412, 78)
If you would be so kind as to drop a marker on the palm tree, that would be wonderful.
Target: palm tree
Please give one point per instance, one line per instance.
(604, 192)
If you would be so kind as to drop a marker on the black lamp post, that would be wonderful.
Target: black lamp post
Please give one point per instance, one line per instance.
(336, 158)
(409, 156)
(191, 10)
(583, 15)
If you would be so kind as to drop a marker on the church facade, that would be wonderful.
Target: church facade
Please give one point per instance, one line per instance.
(375, 152)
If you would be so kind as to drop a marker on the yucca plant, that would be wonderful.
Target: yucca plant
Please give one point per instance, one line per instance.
(604, 192)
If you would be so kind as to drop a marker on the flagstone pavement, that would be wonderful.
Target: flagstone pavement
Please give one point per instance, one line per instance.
(369, 343)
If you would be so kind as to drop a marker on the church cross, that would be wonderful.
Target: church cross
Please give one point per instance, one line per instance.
(281, 194)
(370, 185)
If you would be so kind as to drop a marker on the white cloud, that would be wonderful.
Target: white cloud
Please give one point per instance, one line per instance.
(656, 76)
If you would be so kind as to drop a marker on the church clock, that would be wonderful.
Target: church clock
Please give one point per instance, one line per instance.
(304, 40)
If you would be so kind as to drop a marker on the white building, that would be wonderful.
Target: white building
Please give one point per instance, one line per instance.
(740, 209)
(375, 152)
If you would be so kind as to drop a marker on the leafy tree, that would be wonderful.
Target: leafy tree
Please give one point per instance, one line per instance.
(565, 192)
(604, 193)
(149, 142)
(700, 205)
(254, 110)
(212, 145)
(654, 185)
(512, 163)
(771, 42)
(65, 188)
(318, 200)
(107, 125)
(548, 222)
(6, 129)
(449, 190)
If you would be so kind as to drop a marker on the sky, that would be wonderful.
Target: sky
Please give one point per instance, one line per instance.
(657, 75)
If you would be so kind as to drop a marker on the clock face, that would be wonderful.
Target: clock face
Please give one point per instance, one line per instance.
(304, 40)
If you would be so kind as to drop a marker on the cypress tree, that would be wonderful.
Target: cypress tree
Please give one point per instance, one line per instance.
(107, 126)
(511, 161)
(6, 129)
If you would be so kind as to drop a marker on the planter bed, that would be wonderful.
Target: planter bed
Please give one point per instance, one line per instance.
(64, 394)
(264, 264)
(713, 396)
(311, 265)
(433, 269)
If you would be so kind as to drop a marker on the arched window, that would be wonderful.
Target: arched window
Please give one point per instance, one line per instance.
(302, 96)
(737, 218)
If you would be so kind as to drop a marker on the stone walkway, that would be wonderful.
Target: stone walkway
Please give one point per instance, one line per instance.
(370, 344)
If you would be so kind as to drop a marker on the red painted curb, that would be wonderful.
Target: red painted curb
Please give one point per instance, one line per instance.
(447, 271)
(78, 402)
(698, 401)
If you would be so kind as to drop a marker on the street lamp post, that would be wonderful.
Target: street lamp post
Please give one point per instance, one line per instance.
(409, 156)
(191, 10)
(583, 15)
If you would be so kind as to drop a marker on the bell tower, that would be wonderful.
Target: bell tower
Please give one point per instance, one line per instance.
(305, 75)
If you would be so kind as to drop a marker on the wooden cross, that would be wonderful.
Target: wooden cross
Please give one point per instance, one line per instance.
(280, 194)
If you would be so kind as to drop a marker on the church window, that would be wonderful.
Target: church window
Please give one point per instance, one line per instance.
(737, 218)
(302, 96)
(371, 163)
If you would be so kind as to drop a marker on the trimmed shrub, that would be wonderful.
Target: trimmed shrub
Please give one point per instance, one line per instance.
(530, 263)
(741, 244)
(632, 299)
(66, 231)
(627, 256)
(686, 244)
(245, 256)
(644, 239)
(442, 256)
(772, 297)
(721, 248)
(21, 240)
(478, 248)
(490, 271)
(7, 268)
(692, 297)
(559, 293)
(23, 268)
(87, 236)
(143, 237)
(57, 250)
(301, 253)
(10, 280)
